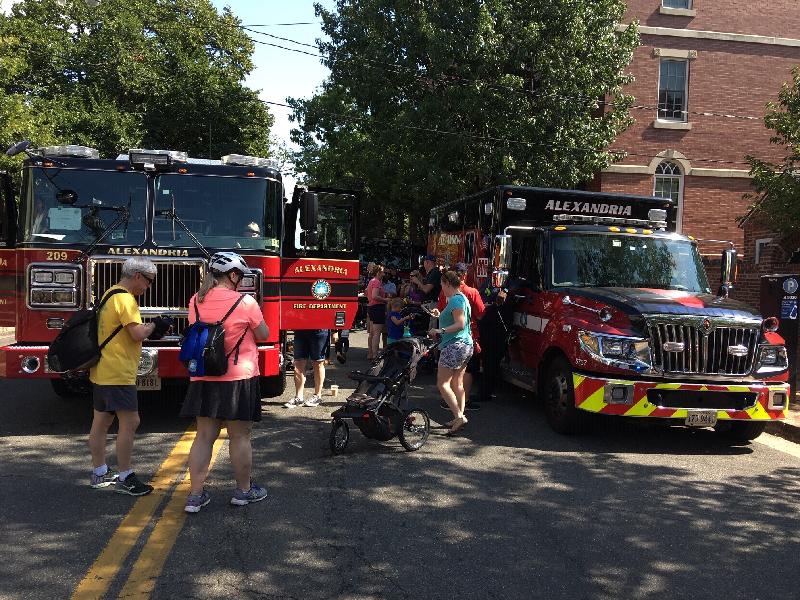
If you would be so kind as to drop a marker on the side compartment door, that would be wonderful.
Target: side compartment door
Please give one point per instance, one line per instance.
(8, 259)
(319, 268)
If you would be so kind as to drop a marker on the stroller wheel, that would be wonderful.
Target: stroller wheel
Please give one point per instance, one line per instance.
(340, 435)
(414, 432)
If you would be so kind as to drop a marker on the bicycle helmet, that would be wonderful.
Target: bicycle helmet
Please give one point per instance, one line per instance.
(223, 262)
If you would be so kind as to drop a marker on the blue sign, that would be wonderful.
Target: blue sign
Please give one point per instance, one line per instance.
(789, 308)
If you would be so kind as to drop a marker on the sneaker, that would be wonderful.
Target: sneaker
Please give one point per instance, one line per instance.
(254, 494)
(314, 400)
(294, 402)
(132, 486)
(197, 501)
(101, 481)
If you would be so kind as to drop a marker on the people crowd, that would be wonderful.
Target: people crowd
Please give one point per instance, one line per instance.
(432, 301)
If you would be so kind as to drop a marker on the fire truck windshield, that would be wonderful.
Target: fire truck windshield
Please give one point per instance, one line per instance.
(45, 221)
(222, 212)
(631, 261)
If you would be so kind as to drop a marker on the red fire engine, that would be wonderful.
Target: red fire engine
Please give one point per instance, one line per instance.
(80, 217)
(612, 310)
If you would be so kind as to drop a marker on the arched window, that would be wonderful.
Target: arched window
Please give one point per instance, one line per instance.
(669, 184)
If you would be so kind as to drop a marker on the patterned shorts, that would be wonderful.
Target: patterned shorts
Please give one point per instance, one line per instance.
(455, 355)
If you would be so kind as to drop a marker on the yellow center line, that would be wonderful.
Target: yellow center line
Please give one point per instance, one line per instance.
(151, 561)
(107, 565)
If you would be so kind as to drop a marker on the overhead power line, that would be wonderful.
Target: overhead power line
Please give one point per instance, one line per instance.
(450, 79)
(486, 138)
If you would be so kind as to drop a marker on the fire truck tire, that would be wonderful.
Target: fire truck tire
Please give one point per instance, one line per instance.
(559, 400)
(71, 389)
(742, 431)
(272, 387)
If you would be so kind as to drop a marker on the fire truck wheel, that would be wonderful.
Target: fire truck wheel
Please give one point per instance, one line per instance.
(559, 400)
(71, 389)
(272, 387)
(742, 431)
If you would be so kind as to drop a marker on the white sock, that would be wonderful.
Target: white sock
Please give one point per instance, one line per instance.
(123, 475)
(101, 470)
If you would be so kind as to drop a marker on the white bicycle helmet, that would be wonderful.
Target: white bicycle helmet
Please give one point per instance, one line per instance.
(222, 262)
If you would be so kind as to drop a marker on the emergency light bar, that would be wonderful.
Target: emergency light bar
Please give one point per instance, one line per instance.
(598, 220)
(71, 151)
(243, 160)
(144, 158)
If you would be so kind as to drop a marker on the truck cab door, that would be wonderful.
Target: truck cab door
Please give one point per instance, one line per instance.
(319, 267)
(8, 257)
(524, 290)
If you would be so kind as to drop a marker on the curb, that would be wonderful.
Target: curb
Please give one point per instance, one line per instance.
(786, 430)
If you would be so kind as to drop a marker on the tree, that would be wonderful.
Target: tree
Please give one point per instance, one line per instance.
(777, 184)
(430, 100)
(129, 73)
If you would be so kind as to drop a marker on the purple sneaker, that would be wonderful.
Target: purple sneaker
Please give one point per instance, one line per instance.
(254, 494)
(197, 501)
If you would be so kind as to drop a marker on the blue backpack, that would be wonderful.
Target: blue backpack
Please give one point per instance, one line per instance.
(203, 346)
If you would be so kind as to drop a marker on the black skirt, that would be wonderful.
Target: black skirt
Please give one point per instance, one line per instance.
(238, 400)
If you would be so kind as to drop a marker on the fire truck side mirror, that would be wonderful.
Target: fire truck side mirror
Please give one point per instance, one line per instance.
(309, 209)
(728, 271)
(67, 197)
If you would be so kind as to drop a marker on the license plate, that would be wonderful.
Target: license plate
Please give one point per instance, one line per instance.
(702, 418)
(148, 383)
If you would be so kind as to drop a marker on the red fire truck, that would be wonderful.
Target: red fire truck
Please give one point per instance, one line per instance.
(80, 217)
(612, 310)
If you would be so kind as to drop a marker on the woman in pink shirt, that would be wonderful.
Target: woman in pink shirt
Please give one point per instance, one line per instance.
(376, 309)
(235, 397)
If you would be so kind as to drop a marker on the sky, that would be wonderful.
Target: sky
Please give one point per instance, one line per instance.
(279, 74)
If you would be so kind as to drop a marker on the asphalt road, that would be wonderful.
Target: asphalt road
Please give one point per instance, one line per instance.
(509, 510)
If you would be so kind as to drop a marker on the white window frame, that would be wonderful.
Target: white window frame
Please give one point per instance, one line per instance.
(675, 166)
(684, 118)
(761, 244)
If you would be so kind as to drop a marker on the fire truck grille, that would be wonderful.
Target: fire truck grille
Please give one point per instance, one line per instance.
(176, 281)
(688, 349)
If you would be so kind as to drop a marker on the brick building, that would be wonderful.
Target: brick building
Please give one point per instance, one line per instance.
(700, 60)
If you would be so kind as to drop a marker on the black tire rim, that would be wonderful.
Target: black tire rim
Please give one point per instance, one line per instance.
(558, 400)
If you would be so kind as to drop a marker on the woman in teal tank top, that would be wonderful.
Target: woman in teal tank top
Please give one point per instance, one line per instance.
(455, 348)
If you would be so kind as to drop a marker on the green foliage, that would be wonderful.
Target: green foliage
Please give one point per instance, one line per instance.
(128, 73)
(777, 184)
(427, 101)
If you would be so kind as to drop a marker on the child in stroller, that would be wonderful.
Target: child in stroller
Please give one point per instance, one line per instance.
(379, 406)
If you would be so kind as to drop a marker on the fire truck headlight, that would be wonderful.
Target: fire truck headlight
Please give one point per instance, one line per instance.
(54, 285)
(620, 351)
(40, 276)
(771, 360)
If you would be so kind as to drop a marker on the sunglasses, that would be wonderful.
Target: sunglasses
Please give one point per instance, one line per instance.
(148, 279)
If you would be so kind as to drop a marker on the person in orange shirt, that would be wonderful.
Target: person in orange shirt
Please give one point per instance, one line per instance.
(476, 312)
(235, 397)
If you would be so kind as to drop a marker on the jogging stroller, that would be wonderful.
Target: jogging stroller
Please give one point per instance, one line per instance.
(379, 406)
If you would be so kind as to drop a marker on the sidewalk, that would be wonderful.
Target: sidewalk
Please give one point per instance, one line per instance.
(790, 428)
(6, 335)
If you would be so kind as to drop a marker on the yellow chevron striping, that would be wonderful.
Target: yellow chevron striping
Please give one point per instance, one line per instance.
(594, 403)
(668, 386)
(758, 413)
(641, 409)
(577, 380)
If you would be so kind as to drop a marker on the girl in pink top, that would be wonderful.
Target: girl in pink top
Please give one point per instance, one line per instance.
(376, 310)
(233, 398)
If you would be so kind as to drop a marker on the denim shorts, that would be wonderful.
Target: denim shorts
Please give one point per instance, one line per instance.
(311, 344)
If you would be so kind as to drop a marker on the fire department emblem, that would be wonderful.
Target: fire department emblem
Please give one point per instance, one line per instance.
(705, 326)
(320, 289)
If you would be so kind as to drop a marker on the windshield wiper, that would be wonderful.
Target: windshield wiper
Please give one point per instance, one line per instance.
(172, 214)
(123, 217)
